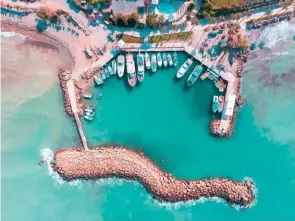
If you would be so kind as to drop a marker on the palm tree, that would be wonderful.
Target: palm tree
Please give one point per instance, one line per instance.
(194, 22)
(163, 29)
(175, 27)
(210, 23)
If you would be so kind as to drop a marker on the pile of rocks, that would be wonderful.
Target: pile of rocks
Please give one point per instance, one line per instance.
(66, 96)
(65, 93)
(117, 161)
(86, 75)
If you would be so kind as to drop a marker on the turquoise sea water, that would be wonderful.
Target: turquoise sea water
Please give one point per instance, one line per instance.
(168, 122)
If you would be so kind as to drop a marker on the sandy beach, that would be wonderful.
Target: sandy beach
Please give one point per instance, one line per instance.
(30, 66)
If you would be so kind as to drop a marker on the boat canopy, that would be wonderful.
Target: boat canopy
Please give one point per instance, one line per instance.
(230, 104)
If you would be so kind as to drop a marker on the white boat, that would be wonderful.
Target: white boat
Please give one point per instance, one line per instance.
(111, 70)
(131, 74)
(98, 80)
(88, 117)
(120, 65)
(175, 59)
(184, 68)
(165, 61)
(170, 61)
(102, 73)
(87, 96)
(147, 61)
(194, 75)
(140, 67)
(159, 59)
(215, 104)
(114, 66)
(154, 63)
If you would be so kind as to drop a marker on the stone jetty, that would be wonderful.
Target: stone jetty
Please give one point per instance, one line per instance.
(121, 162)
(64, 76)
(214, 125)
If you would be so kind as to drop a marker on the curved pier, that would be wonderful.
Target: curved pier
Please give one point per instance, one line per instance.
(117, 161)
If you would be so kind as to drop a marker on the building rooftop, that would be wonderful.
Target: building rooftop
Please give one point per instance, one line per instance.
(126, 6)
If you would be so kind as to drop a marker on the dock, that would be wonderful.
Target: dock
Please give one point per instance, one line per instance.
(72, 97)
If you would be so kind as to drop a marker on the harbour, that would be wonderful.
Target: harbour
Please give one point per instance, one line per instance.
(152, 130)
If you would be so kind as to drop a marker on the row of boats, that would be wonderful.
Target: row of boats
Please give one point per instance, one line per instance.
(142, 60)
(145, 61)
(218, 104)
(194, 75)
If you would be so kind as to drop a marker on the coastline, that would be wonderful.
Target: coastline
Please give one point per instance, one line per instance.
(121, 162)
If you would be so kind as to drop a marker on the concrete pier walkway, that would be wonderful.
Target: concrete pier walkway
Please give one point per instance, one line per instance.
(72, 96)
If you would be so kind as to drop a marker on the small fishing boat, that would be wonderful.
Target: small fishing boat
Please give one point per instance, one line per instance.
(140, 67)
(147, 61)
(170, 61)
(121, 65)
(87, 96)
(111, 70)
(88, 117)
(107, 73)
(98, 79)
(159, 59)
(154, 63)
(102, 74)
(194, 75)
(131, 74)
(175, 59)
(184, 68)
(221, 103)
(114, 66)
(215, 104)
(165, 61)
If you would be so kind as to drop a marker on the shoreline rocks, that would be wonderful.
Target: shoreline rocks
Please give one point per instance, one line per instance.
(66, 99)
(121, 162)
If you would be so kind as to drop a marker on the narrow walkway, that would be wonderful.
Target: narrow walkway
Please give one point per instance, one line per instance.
(72, 96)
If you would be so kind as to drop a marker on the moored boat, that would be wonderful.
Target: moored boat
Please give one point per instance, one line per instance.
(154, 63)
(114, 66)
(131, 74)
(165, 61)
(140, 67)
(147, 61)
(184, 68)
(170, 61)
(175, 59)
(159, 59)
(120, 65)
(88, 117)
(87, 96)
(220, 103)
(194, 75)
(98, 79)
(111, 70)
(102, 74)
(107, 73)
(215, 104)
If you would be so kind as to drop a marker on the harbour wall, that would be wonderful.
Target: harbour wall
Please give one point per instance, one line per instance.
(118, 161)
(66, 96)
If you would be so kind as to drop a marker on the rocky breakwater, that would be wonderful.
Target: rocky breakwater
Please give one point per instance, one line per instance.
(117, 161)
(65, 76)
(214, 126)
